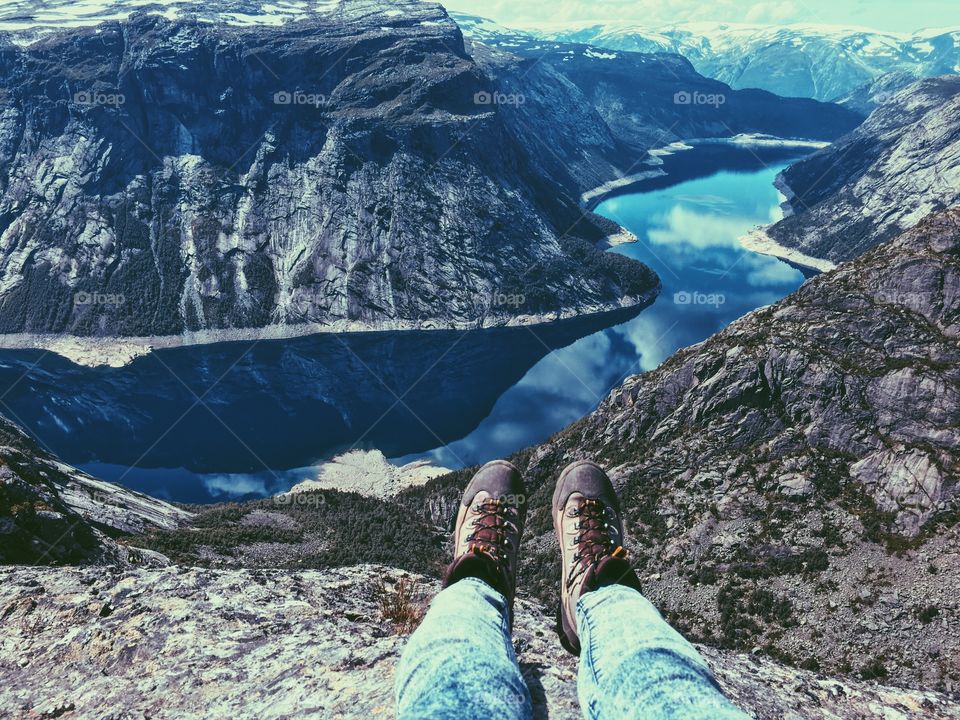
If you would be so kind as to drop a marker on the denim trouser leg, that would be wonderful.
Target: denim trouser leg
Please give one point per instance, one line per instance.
(634, 665)
(460, 664)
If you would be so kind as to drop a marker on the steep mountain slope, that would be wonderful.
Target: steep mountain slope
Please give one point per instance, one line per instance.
(792, 482)
(651, 100)
(336, 170)
(900, 165)
(867, 98)
(817, 61)
(306, 645)
(53, 514)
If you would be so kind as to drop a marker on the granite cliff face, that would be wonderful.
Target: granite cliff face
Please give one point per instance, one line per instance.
(900, 165)
(340, 169)
(347, 166)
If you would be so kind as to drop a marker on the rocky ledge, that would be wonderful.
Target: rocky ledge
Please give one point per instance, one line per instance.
(52, 513)
(176, 642)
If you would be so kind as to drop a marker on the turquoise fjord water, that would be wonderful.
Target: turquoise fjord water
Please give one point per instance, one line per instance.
(272, 409)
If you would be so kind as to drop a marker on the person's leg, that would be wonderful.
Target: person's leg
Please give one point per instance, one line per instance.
(460, 663)
(634, 665)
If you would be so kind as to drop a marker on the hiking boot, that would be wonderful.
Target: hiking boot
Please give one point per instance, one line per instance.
(487, 534)
(586, 517)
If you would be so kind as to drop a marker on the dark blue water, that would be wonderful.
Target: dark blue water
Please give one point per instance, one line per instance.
(239, 420)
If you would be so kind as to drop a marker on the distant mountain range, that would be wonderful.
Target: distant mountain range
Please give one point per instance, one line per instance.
(816, 61)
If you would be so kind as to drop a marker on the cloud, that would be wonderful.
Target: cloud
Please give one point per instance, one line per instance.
(234, 485)
(554, 12)
(772, 12)
(768, 272)
(656, 13)
(687, 231)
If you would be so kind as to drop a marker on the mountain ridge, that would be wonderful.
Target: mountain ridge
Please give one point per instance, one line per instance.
(806, 60)
(186, 176)
(899, 166)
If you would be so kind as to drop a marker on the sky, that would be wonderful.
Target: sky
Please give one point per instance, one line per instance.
(891, 15)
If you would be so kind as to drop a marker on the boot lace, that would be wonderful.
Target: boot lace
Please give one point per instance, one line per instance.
(593, 542)
(495, 522)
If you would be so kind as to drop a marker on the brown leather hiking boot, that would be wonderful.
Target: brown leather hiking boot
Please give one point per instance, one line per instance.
(586, 516)
(489, 523)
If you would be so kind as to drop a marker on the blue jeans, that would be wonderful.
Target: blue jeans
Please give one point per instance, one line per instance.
(460, 662)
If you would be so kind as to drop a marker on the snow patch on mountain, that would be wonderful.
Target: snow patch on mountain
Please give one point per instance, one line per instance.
(27, 21)
(820, 61)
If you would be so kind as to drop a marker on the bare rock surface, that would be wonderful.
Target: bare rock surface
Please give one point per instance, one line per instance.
(883, 178)
(190, 173)
(192, 643)
(52, 513)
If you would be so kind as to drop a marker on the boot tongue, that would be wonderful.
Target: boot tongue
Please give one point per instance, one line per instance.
(487, 529)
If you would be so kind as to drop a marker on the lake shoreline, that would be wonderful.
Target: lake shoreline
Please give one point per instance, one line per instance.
(116, 352)
(635, 182)
(759, 241)
(466, 397)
